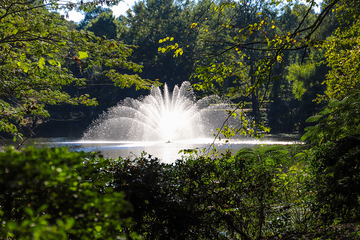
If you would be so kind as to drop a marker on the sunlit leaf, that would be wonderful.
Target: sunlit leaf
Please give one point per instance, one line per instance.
(41, 62)
(83, 55)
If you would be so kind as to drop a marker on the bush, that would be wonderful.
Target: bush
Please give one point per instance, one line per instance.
(57, 194)
(335, 177)
(249, 195)
(339, 119)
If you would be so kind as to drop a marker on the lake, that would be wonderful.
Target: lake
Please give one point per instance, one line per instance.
(167, 152)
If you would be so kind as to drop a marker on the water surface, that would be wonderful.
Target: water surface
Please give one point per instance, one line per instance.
(167, 152)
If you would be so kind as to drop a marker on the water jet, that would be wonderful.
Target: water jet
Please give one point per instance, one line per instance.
(161, 116)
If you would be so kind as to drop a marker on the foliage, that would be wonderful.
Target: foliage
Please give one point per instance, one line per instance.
(248, 195)
(256, 193)
(91, 15)
(300, 76)
(343, 58)
(304, 80)
(337, 120)
(244, 46)
(145, 182)
(147, 23)
(58, 194)
(104, 26)
(335, 178)
(34, 43)
(205, 35)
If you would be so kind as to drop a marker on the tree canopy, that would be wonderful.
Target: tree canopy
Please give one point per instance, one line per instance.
(247, 45)
(35, 43)
(273, 58)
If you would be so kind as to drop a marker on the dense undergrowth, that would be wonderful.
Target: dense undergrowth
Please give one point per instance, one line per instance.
(269, 192)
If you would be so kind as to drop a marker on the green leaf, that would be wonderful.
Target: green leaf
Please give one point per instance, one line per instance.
(12, 225)
(29, 211)
(41, 62)
(41, 208)
(54, 63)
(69, 223)
(314, 118)
(25, 68)
(83, 55)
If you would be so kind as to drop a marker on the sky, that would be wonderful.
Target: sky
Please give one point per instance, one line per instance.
(121, 9)
(118, 10)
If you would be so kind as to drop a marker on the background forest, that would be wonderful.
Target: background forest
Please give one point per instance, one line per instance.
(204, 40)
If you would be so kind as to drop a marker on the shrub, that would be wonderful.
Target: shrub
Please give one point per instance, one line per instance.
(339, 119)
(335, 177)
(244, 196)
(57, 194)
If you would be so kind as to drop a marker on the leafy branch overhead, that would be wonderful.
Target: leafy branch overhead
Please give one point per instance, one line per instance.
(263, 36)
(35, 44)
(246, 43)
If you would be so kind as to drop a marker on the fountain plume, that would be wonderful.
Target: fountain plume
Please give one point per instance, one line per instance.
(161, 116)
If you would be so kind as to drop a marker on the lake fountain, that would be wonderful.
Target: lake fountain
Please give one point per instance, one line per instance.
(162, 116)
(161, 124)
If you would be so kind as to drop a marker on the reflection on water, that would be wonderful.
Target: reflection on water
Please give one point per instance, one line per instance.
(167, 152)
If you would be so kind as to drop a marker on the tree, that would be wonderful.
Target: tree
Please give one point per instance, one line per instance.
(91, 15)
(343, 59)
(148, 23)
(34, 43)
(262, 35)
(105, 25)
(338, 119)
(305, 81)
